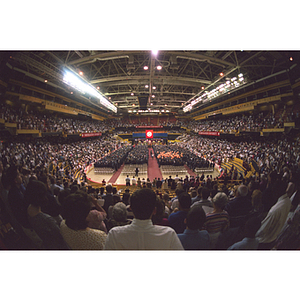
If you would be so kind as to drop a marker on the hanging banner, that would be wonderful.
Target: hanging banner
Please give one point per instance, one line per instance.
(216, 133)
(149, 134)
(91, 134)
(149, 126)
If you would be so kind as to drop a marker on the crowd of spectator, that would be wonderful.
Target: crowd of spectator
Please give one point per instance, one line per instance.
(51, 122)
(59, 158)
(49, 209)
(271, 154)
(255, 214)
(48, 122)
(238, 123)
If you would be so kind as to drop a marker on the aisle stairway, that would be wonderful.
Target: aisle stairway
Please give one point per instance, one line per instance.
(153, 168)
(115, 176)
(236, 163)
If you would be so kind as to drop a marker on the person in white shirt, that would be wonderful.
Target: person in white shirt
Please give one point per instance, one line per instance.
(127, 180)
(133, 180)
(141, 234)
(273, 223)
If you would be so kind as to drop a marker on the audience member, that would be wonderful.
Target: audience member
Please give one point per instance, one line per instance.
(193, 237)
(202, 200)
(218, 220)
(249, 242)
(176, 219)
(119, 216)
(43, 224)
(108, 197)
(273, 223)
(160, 218)
(141, 234)
(74, 228)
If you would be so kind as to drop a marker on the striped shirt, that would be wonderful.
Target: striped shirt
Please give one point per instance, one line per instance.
(217, 222)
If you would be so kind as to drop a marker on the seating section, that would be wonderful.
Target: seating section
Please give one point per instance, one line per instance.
(130, 169)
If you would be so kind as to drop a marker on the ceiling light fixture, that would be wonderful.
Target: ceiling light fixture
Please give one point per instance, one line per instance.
(146, 68)
(159, 67)
(72, 79)
(219, 90)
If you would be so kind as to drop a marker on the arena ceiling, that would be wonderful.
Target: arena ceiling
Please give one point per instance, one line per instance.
(120, 75)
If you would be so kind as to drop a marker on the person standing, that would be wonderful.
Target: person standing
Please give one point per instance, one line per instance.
(273, 223)
(133, 181)
(127, 180)
(44, 225)
(193, 237)
(141, 234)
(249, 242)
(74, 228)
(218, 220)
(176, 219)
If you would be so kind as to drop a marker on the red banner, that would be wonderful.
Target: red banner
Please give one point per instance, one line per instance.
(151, 126)
(91, 134)
(149, 134)
(216, 133)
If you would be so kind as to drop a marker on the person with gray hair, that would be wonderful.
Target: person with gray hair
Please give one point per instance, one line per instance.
(239, 206)
(218, 220)
(118, 216)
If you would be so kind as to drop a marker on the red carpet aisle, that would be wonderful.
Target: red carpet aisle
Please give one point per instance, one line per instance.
(153, 169)
(190, 171)
(114, 178)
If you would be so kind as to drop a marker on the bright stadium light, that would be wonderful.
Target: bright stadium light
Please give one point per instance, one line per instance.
(219, 90)
(85, 88)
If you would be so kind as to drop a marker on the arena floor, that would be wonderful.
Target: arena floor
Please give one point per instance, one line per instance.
(130, 170)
